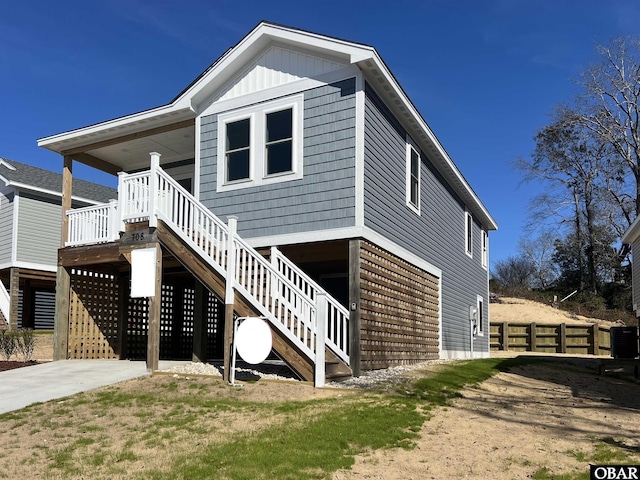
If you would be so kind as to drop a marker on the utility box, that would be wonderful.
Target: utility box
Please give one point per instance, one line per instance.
(624, 342)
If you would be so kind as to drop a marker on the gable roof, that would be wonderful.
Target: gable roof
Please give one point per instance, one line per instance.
(27, 177)
(196, 97)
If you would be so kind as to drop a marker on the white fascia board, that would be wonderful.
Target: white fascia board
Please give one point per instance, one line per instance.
(343, 234)
(406, 103)
(36, 266)
(23, 186)
(632, 233)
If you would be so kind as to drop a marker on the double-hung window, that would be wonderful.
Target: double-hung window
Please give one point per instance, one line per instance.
(413, 176)
(260, 144)
(468, 233)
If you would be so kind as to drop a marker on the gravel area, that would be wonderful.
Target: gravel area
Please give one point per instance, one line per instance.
(277, 370)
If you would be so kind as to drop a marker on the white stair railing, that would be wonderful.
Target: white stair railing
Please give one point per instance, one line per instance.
(4, 302)
(337, 316)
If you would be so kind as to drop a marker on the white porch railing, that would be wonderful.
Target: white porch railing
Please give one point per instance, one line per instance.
(4, 302)
(93, 224)
(337, 323)
(279, 290)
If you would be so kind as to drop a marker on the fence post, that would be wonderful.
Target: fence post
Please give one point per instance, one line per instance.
(153, 189)
(563, 338)
(321, 333)
(532, 337)
(505, 336)
(595, 330)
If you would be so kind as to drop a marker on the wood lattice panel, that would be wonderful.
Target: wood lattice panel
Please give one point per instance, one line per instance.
(93, 315)
(399, 310)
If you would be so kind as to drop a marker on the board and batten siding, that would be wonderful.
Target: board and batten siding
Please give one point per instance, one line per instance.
(38, 230)
(323, 199)
(436, 235)
(6, 226)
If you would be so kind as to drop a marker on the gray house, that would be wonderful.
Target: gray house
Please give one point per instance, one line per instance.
(30, 238)
(327, 170)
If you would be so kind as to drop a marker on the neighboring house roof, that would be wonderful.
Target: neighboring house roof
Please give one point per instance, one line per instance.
(27, 177)
(222, 74)
(632, 233)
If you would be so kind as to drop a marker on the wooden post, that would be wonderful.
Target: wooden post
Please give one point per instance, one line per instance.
(155, 303)
(67, 180)
(229, 299)
(563, 338)
(595, 330)
(14, 296)
(532, 337)
(355, 352)
(61, 322)
(199, 324)
(321, 334)
(505, 336)
(123, 317)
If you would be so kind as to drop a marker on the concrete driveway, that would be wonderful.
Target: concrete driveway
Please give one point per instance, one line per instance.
(48, 381)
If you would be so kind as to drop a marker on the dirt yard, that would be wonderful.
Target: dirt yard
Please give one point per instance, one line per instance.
(555, 417)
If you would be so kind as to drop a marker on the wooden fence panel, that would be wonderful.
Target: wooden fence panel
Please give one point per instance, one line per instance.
(573, 339)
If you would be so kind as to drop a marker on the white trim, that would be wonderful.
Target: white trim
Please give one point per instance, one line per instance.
(29, 265)
(632, 233)
(360, 159)
(196, 161)
(341, 234)
(257, 115)
(14, 238)
(468, 233)
(463, 355)
(411, 146)
(440, 331)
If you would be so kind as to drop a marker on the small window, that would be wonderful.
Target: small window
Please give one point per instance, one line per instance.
(480, 324)
(468, 232)
(279, 142)
(485, 249)
(413, 176)
(238, 149)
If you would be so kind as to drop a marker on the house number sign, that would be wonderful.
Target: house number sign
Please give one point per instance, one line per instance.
(139, 236)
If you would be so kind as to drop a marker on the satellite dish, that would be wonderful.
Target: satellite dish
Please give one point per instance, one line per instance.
(253, 340)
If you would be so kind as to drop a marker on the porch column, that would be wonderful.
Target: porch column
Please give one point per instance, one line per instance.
(354, 306)
(200, 324)
(229, 299)
(155, 302)
(14, 296)
(63, 279)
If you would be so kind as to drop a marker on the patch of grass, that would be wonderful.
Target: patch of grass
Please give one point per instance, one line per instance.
(544, 474)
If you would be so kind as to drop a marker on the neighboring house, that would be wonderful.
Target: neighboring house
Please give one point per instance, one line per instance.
(30, 202)
(632, 238)
(311, 142)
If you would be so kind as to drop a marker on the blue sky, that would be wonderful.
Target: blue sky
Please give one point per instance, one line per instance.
(484, 74)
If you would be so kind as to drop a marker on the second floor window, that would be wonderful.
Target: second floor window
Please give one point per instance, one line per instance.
(413, 176)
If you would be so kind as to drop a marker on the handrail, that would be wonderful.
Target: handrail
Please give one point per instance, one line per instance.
(4, 302)
(92, 224)
(337, 323)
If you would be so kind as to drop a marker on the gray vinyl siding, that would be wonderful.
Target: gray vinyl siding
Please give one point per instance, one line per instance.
(38, 229)
(437, 235)
(6, 226)
(323, 199)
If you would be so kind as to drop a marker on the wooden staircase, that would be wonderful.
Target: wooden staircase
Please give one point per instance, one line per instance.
(285, 349)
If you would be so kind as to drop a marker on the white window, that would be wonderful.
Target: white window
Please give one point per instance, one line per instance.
(485, 249)
(260, 144)
(413, 176)
(480, 317)
(468, 233)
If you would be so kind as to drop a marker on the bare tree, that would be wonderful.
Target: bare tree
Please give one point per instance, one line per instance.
(539, 252)
(514, 272)
(609, 106)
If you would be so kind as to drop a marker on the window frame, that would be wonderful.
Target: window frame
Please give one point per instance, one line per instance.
(468, 233)
(485, 249)
(257, 115)
(480, 310)
(411, 147)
